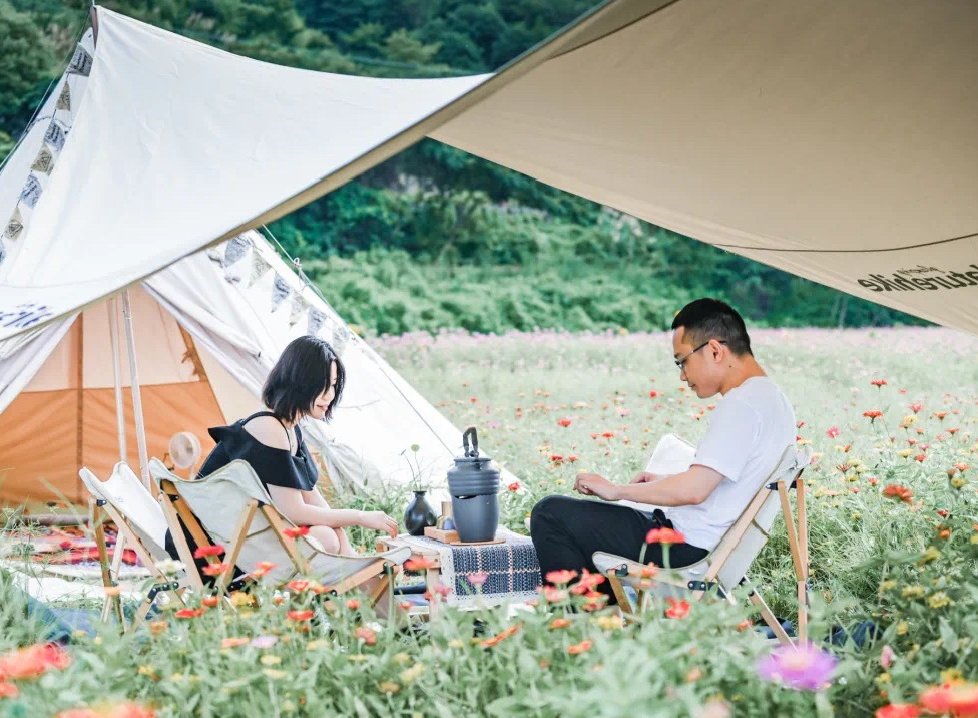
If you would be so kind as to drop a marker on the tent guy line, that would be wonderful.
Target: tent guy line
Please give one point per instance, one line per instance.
(973, 235)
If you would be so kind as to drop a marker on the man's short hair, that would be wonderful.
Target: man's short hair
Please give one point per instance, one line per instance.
(706, 319)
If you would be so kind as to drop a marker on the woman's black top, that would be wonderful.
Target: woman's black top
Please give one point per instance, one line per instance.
(273, 466)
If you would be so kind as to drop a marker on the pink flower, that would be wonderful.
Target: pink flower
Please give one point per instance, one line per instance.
(479, 578)
(833, 432)
(264, 641)
(804, 667)
(886, 657)
(564, 422)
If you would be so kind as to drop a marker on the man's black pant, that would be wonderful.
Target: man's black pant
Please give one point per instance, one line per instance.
(567, 531)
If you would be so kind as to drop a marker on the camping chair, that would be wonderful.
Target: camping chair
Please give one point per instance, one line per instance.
(726, 566)
(141, 526)
(232, 507)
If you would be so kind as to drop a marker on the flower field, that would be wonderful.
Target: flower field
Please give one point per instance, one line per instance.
(891, 417)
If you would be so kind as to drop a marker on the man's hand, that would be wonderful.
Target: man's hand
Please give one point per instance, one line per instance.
(644, 477)
(596, 485)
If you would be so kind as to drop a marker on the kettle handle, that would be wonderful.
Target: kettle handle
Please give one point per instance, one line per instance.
(474, 451)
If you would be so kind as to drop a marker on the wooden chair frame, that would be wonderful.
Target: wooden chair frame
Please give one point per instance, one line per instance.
(796, 523)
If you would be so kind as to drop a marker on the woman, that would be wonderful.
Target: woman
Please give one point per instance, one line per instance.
(307, 381)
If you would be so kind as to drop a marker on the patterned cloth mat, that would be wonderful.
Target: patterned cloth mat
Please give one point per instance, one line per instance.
(514, 574)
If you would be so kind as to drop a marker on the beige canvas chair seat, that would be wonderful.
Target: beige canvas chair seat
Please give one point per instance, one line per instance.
(232, 507)
(727, 565)
(141, 526)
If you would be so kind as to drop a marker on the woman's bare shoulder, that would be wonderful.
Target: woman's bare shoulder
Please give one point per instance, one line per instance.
(269, 431)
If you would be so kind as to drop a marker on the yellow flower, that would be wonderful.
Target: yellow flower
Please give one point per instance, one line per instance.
(931, 554)
(240, 598)
(177, 678)
(883, 678)
(952, 675)
(888, 585)
(147, 671)
(389, 687)
(270, 660)
(288, 706)
(608, 622)
(957, 482)
(356, 658)
(409, 675)
(275, 674)
(904, 453)
(939, 600)
(908, 421)
(316, 645)
(401, 658)
(974, 539)
(913, 592)
(456, 643)
(902, 628)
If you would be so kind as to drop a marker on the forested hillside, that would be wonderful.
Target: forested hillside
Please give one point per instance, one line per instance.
(415, 242)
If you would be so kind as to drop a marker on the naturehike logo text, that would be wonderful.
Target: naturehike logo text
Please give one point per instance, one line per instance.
(909, 280)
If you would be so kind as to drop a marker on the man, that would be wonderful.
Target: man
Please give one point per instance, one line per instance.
(748, 432)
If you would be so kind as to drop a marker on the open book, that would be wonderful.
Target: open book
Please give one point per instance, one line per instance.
(671, 455)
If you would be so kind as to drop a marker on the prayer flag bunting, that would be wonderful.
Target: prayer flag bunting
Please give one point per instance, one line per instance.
(44, 160)
(280, 292)
(81, 62)
(258, 267)
(299, 305)
(64, 99)
(316, 321)
(55, 135)
(235, 250)
(31, 192)
(15, 226)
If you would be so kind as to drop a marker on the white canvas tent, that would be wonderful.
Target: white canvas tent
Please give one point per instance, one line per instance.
(836, 140)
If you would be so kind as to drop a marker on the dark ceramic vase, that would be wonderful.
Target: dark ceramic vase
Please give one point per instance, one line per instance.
(418, 515)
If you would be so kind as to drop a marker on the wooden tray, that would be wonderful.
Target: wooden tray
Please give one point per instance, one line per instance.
(450, 537)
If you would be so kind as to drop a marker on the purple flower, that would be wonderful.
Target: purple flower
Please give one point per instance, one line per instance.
(804, 667)
(264, 641)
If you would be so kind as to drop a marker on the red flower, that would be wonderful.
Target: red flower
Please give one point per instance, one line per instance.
(940, 415)
(262, 569)
(33, 661)
(297, 585)
(189, 613)
(896, 491)
(419, 564)
(958, 699)
(515, 486)
(664, 535)
(367, 635)
(572, 458)
(579, 648)
(677, 608)
(873, 414)
(208, 551)
(588, 582)
(898, 710)
(556, 459)
(915, 408)
(8, 690)
(608, 434)
(305, 615)
(920, 458)
(210, 601)
(353, 604)
(215, 569)
(564, 422)
(295, 531)
(878, 383)
(653, 394)
(561, 577)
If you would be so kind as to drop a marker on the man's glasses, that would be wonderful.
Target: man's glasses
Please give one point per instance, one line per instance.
(680, 362)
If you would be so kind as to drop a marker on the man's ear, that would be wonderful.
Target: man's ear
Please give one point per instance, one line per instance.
(717, 349)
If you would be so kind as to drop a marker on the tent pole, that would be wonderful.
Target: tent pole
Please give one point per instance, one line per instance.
(137, 404)
(120, 409)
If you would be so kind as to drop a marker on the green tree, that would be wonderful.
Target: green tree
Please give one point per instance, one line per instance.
(26, 65)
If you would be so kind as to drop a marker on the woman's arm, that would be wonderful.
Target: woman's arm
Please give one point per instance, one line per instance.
(292, 505)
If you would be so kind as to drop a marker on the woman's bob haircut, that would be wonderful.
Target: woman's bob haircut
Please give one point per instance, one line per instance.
(300, 376)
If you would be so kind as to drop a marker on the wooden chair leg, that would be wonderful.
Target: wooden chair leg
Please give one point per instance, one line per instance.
(624, 604)
(237, 541)
(768, 615)
(289, 544)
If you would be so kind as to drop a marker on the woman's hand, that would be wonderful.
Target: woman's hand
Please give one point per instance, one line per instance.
(379, 521)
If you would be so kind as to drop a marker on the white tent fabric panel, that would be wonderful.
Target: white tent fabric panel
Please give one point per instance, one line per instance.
(176, 145)
(836, 140)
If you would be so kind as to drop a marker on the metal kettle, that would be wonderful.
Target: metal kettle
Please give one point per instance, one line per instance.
(474, 485)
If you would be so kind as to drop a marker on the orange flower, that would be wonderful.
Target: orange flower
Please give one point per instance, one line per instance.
(295, 531)
(958, 699)
(896, 491)
(189, 613)
(208, 551)
(262, 569)
(515, 486)
(556, 459)
(664, 535)
(873, 414)
(898, 710)
(297, 585)
(565, 422)
(678, 608)
(653, 394)
(33, 661)
(353, 604)
(579, 648)
(558, 623)
(588, 582)
(210, 601)
(366, 635)
(878, 382)
(560, 577)
(8, 690)
(234, 642)
(215, 569)
(554, 595)
(119, 710)
(419, 564)
(305, 615)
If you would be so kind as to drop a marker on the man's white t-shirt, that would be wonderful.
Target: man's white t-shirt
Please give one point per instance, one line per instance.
(748, 433)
